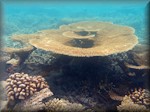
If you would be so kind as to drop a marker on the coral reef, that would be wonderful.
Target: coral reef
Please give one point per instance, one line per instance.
(137, 101)
(35, 102)
(18, 54)
(4, 56)
(25, 49)
(140, 54)
(20, 86)
(3, 96)
(83, 36)
(137, 67)
(79, 34)
(24, 38)
(13, 62)
(61, 105)
(141, 96)
(114, 96)
(40, 57)
(95, 39)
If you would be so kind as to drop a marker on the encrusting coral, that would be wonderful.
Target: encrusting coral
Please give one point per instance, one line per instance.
(87, 39)
(137, 101)
(62, 105)
(20, 86)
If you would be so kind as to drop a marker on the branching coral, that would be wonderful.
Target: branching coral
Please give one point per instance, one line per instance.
(61, 105)
(20, 86)
(137, 101)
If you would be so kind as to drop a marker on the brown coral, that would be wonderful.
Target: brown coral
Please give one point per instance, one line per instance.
(3, 101)
(87, 39)
(79, 34)
(25, 49)
(4, 56)
(141, 96)
(138, 67)
(34, 103)
(20, 86)
(140, 54)
(24, 38)
(13, 62)
(128, 106)
(18, 54)
(104, 28)
(137, 101)
(61, 105)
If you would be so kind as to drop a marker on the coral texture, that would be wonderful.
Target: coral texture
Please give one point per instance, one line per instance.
(4, 56)
(26, 48)
(20, 86)
(141, 96)
(87, 39)
(38, 57)
(3, 96)
(61, 105)
(14, 62)
(24, 38)
(79, 34)
(34, 103)
(140, 55)
(137, 101)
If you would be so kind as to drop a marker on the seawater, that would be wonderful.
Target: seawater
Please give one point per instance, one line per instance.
(20, 18)
(87, 80)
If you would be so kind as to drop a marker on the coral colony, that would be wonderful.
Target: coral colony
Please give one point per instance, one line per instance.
(86, 66)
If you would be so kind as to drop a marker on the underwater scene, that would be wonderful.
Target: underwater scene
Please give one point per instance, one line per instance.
(74, 57)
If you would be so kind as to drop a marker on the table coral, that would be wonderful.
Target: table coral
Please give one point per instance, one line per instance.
(87, 39)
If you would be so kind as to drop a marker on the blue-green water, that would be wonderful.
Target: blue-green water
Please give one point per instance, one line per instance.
(96, 82)
(29, 17)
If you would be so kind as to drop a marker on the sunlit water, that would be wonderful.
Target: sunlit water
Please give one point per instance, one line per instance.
(19, 18)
